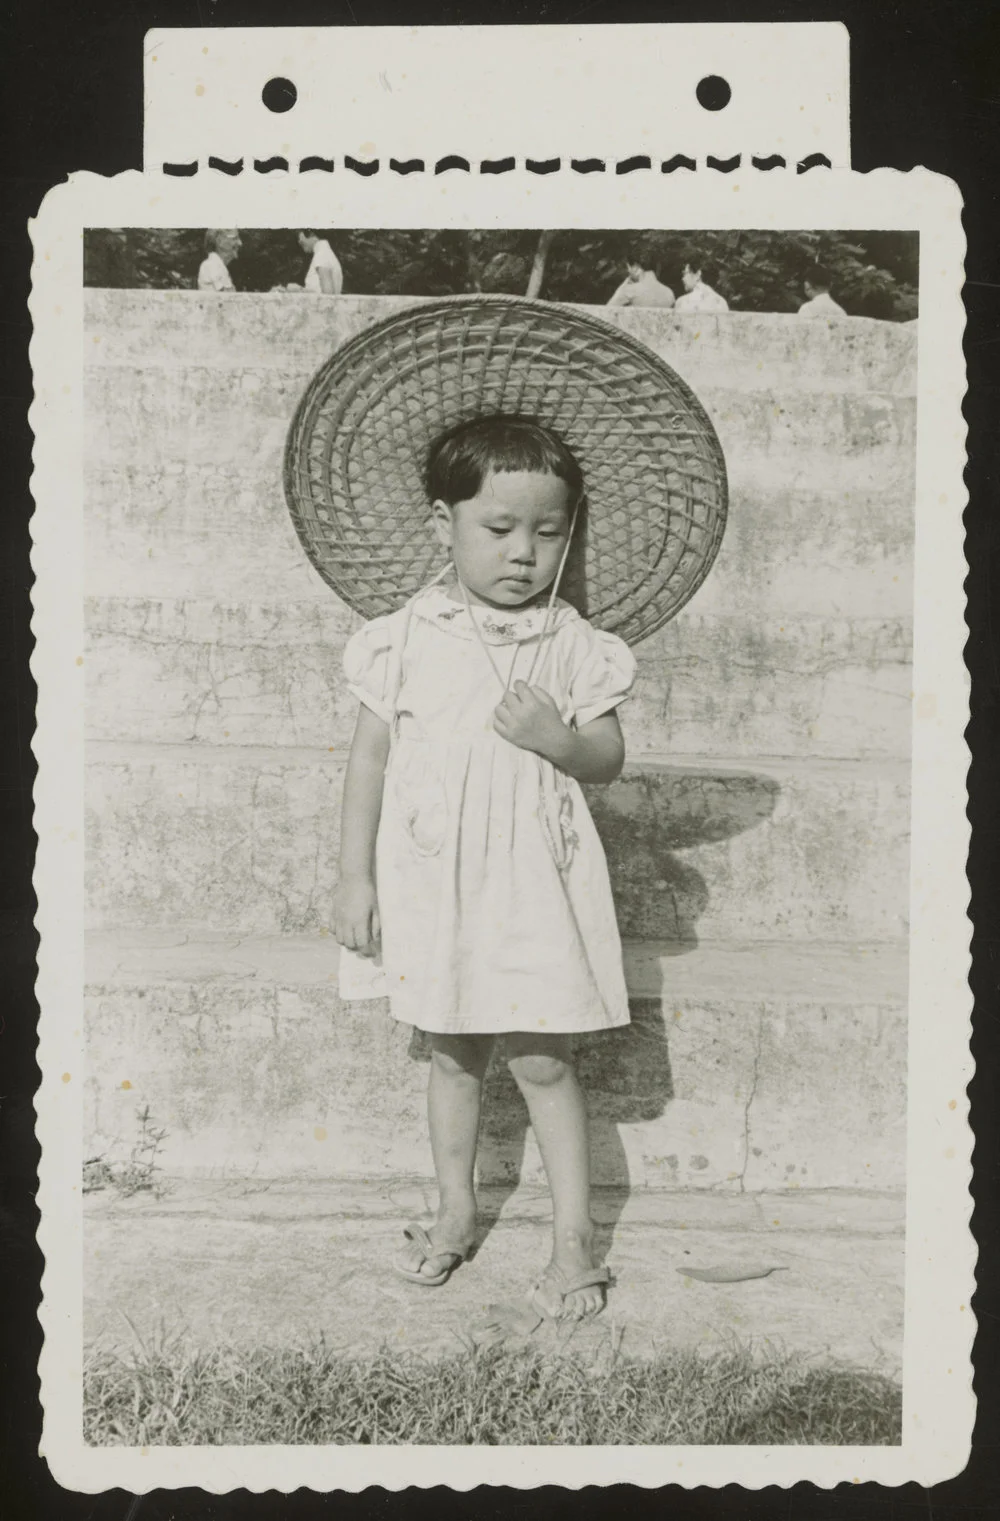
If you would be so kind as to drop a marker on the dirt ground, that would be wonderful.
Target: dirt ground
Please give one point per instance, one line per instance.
(281, 1264)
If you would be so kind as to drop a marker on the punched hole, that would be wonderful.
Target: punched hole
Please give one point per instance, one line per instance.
(713, 92)
(279, 95)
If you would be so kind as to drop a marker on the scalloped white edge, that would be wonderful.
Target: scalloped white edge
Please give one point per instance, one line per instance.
(940, 1254)
(608, 90)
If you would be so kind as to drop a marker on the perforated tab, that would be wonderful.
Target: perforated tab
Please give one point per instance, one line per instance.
(570, 99)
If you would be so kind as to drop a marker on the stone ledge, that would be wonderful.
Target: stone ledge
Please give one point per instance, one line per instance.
(166, 329)
(811, 549)
(246, 840)
(182, 669)
(654, 763)
(873, 1212)
(743, 1068)
(210, 416)
(745, 974)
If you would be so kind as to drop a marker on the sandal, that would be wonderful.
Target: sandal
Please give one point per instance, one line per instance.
(558, 1279)
(418, 1236)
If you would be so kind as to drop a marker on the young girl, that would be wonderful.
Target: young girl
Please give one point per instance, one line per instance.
(467, 849)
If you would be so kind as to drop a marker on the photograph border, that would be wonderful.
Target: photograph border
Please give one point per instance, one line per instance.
(940, 1255)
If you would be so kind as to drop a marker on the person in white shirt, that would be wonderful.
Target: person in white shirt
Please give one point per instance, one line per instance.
(698, 297)
(642, 288)
(222, 246)
(324, 274)
(819, 303)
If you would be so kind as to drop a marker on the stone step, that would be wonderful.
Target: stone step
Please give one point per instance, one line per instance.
(746, 1067)
(244, 839)
(208, 416)
(175, 671)
(178, 328)
(223, 533)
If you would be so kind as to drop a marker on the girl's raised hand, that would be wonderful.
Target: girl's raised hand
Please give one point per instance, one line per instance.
(355, 916)
(528, 718)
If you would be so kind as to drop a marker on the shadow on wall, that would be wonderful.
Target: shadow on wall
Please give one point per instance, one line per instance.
(653, 811)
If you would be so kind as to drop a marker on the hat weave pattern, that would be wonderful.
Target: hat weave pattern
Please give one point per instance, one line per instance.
(655, 477)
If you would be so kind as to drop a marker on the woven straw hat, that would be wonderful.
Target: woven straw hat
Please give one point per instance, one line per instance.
(656, 494)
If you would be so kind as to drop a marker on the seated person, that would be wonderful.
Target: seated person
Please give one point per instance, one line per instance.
(222, 246)
(817, 288)
(324, 274)
(698, 296)
(642, 288)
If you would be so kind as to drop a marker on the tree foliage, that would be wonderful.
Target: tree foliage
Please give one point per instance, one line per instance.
(874, 274)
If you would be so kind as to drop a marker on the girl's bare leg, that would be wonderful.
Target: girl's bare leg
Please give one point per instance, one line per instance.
(543, 1069)
(454, 1097)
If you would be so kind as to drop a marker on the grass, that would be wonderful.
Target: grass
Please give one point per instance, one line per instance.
(170, 1396)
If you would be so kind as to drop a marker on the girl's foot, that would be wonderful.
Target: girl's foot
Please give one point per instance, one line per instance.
(572, 1258)
(454, 1232)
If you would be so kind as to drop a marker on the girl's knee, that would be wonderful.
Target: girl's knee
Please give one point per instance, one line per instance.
(540, 1069)
(461, 1055)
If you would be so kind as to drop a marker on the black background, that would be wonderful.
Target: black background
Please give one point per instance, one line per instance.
(925, 89)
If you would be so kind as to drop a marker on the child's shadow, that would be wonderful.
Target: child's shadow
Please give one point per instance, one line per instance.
(652, 812)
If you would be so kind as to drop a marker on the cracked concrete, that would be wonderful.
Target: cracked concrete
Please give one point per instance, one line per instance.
(748, 1106)
(216, 672)
(704, 850)
(813, 1038)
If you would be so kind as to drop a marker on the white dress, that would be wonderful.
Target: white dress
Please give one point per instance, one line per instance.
(493, 889)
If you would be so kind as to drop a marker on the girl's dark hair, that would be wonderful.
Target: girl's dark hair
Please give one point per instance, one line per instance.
(459, 460)
(818, 277)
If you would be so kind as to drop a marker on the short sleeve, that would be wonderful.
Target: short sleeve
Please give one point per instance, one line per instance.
(367, 661)
(603, 678)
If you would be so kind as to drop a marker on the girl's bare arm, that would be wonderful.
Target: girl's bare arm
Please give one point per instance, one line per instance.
(355, 905)
(528, 717)
(595, 752)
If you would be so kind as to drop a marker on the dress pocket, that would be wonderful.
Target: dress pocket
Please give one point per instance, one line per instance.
(555, 814)
(420, 802)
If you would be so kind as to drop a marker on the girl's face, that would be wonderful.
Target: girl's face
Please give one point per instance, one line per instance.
(507, 541)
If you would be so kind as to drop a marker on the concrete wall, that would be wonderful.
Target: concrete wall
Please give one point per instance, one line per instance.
(758, 841)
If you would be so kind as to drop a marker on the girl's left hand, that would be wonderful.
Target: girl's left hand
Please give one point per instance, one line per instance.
(528, 718)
